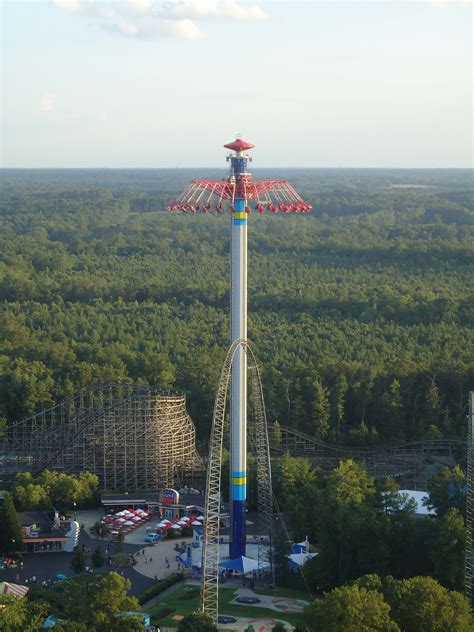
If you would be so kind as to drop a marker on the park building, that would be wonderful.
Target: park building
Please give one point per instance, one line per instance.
(166, 503)
(48, 532)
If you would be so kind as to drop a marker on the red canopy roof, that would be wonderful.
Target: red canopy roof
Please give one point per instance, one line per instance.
(239, 145)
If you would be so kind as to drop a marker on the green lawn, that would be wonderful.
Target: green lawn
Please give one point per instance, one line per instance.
(120, 559)
(294, 593)
(186, 606)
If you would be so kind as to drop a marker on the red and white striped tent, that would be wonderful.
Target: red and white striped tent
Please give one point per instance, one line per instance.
(6, 588)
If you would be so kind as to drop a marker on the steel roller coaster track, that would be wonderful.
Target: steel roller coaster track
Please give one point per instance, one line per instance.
(258, 439)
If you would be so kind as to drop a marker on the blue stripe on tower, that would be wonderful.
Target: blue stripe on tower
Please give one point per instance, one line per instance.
(237, 546)
(239, 207)
(239, 492)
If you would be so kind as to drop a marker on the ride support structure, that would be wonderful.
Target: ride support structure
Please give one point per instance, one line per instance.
(239, 191)
(468, 555)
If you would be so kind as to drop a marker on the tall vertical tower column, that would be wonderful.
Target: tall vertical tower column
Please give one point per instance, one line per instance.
(238, 460)
(239, 190)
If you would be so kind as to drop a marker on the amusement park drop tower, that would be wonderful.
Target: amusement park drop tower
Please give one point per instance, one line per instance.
(240, 190)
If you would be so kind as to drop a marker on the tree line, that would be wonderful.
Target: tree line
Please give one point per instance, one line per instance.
(360, 315)
(362, 525)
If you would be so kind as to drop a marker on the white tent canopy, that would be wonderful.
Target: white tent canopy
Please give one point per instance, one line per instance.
(300, 558)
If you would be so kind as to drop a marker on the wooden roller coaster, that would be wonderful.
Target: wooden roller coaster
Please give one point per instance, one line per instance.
(133, 437)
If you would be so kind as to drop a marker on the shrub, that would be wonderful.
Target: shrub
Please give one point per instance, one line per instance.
(100, 529)
(53, 598)
(158, 587)
(78, 562)
(119, 542)
(98, 558)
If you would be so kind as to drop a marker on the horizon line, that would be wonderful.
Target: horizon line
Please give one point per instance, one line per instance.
(181, 168)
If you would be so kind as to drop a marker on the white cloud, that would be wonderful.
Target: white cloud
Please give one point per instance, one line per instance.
(448, 3)
(185, 28)
(226, 9)
(152, 19)
(71, 6)
(127, 28)
(105, 11)
(47, 101)
(139, 6)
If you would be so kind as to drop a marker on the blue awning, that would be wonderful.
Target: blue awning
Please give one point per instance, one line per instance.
(242, 564)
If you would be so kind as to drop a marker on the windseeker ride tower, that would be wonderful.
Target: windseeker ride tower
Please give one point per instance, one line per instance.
(240, 191)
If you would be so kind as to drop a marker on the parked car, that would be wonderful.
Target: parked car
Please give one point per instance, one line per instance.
(223, 618)
(152, 537)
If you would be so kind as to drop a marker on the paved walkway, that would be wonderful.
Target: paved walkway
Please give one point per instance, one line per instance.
(159, 560)
(279, 604)
(259, 625)
(45, 566)
(87, 518)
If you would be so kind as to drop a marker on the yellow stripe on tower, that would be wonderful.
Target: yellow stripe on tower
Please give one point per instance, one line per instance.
(239, 215)
(239, 480)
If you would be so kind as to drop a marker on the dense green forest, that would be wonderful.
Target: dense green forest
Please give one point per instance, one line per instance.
(360, 314)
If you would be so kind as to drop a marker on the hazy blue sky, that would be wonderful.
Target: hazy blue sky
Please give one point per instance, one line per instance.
(156, 83)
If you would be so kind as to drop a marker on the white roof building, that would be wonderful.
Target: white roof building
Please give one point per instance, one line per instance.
(420, 498)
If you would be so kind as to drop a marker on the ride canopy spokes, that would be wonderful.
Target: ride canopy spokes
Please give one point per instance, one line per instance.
(264, 195)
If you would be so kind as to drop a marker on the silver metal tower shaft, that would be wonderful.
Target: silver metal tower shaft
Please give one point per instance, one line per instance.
(238, 459)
